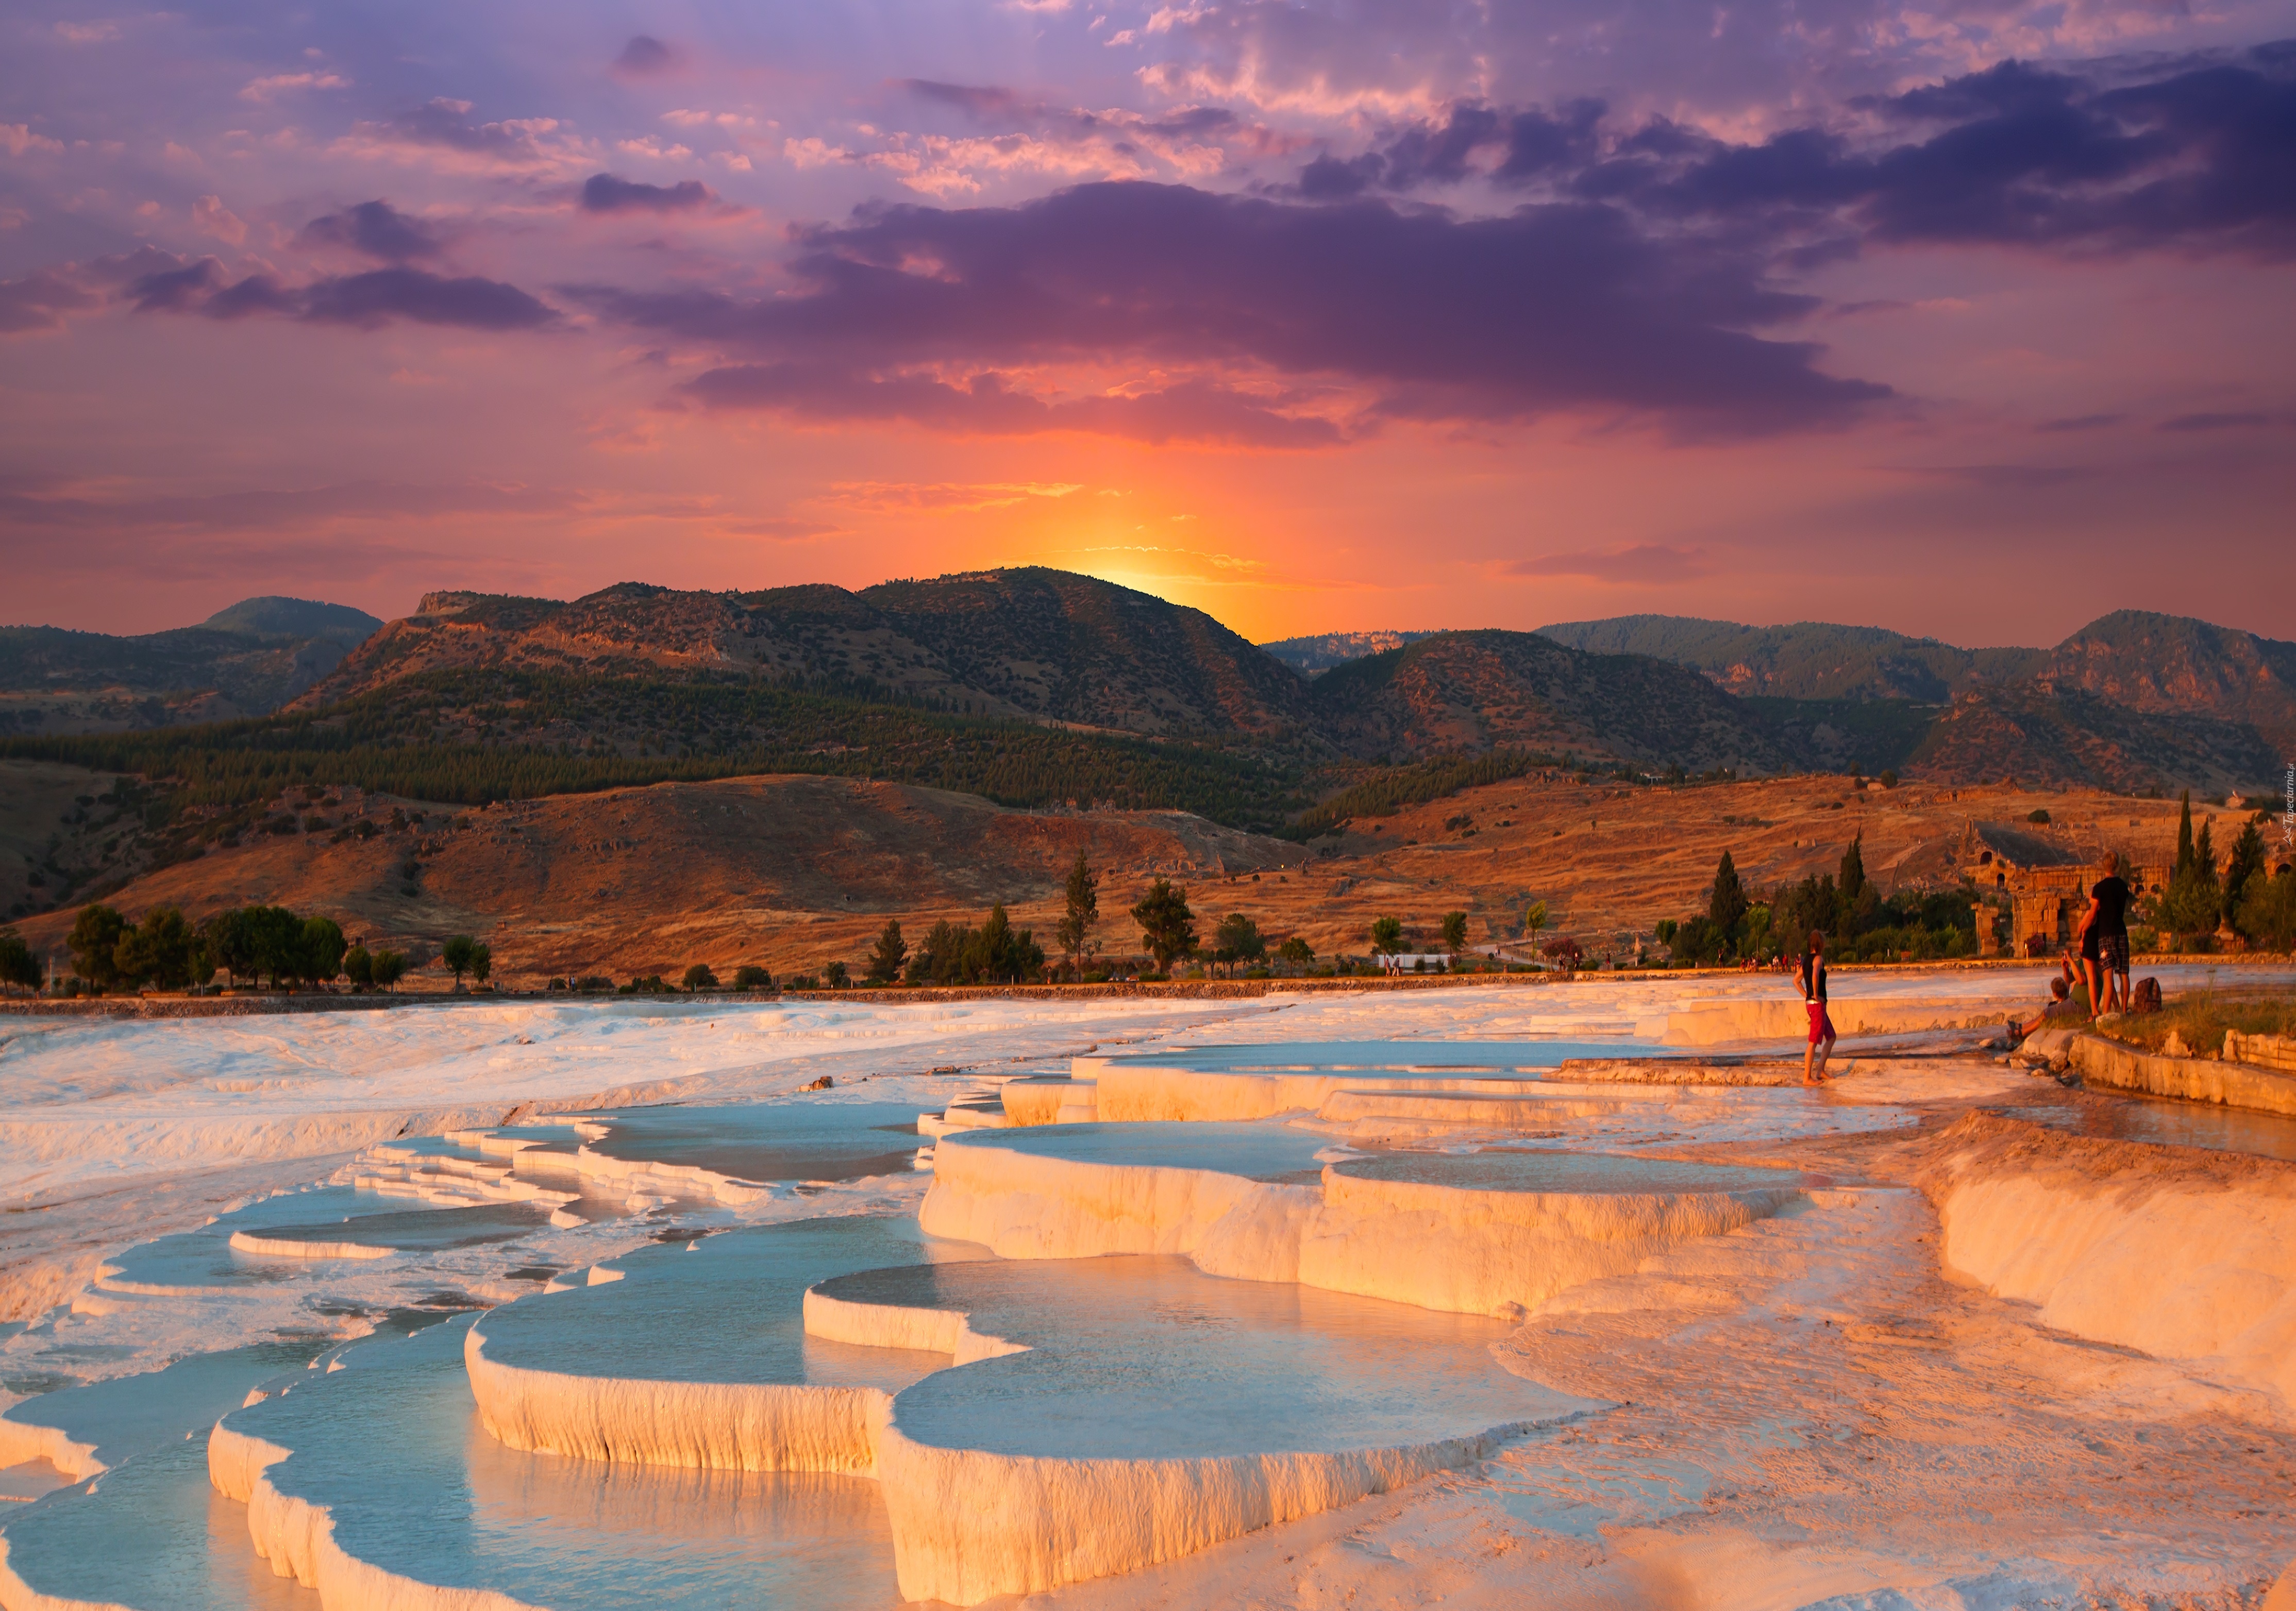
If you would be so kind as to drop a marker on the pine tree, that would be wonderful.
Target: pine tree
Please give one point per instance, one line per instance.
(891, 950)
(1167, 928)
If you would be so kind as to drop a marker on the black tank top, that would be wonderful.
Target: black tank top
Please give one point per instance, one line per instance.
(1813, 978)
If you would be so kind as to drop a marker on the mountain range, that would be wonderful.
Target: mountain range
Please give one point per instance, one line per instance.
(246, 660)
(1034, 686)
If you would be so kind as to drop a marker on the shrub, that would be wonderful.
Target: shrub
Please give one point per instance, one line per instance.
(592, 982)
(700, 977)
(805, 981)
(2042, 817)
(749, 976)
(837, 975)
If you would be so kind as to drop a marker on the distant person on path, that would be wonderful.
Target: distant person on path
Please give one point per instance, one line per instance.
(1811, 976)
(2105, 940)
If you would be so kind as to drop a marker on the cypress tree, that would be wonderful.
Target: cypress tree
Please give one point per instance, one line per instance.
(2184, 836)
(1853, 868)
(1083, 910)
(2247, 861)
(1726, 903)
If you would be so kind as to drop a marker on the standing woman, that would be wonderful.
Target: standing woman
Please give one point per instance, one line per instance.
(1812, 976)
(2105, 940)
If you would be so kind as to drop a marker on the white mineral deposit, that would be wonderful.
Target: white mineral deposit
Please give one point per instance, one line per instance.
(1565, 1295)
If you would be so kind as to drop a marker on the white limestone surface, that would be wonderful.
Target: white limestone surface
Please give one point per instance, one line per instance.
(1486, 1233)
(1072, 1191)
(1136, 1411)
(120, 1129)
(753, 1384)
(2182, 1254)
(1499, 1232)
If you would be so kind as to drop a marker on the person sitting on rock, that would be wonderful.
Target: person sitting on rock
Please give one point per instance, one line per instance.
(2066, 1008)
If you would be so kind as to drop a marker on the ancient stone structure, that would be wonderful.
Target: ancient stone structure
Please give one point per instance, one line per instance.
(2047, 884)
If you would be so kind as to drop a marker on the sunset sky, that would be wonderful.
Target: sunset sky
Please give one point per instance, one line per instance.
(1974, 320)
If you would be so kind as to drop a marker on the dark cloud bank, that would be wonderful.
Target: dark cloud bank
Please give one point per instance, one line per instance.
(376, 298)
(1634, 276)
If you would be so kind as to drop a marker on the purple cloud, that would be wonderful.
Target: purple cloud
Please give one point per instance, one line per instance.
(1552, 308)
(984, 405)
(647, 57)
(40, 300)
(609, 194)
(367, 300)
(376, 228)
(2220, 421)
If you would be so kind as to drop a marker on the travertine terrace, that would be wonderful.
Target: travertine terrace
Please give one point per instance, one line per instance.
(1559, 1296)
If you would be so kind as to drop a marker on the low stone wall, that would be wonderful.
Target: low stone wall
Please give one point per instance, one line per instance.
(211, 1006)
(1171, 990)
(2119, 1067)
(2276, 1052)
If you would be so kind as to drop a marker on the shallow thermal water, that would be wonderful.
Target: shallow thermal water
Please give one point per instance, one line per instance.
(2170, 1124)
(784, 1141)
(1459, 1058)
(1505, 1169)
(1253, 1151)
(727, 1308)
(452, 1507)
(1150, 1358)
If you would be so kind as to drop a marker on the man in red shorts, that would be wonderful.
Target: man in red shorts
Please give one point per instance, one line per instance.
(1812, 977)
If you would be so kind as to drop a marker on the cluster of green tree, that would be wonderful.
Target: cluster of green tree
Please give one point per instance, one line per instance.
(1399, 788)
(464, 954)
(952, 953)
(1859, 924)
(2245, 896)
(253, 943)
(18, 965)
(475, 736)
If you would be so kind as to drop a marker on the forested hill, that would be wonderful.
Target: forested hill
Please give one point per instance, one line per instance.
(1311, 657)
(1808, 660)
(1029, 644)
(245, 660)
(1038, 688)
(1471, 692)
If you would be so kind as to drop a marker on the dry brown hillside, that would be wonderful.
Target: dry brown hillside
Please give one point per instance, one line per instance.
(794, 871)
(1032, 644)
(787, 871)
